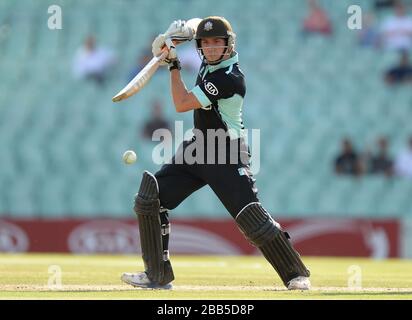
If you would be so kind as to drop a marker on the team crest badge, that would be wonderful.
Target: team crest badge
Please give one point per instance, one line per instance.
(208, 26)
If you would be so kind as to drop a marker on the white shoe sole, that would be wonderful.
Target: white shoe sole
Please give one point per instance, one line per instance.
(168, 286)
(299, 283)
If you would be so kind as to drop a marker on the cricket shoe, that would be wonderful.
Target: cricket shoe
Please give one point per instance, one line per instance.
(299, 283)
(141, 280)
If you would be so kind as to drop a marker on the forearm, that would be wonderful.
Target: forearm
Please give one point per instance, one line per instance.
(182, 99)
(178, 88)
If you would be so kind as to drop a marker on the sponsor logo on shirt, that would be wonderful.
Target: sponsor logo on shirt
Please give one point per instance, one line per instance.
(210, 88)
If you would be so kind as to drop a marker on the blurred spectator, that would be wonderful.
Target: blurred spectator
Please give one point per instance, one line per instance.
(92, 62)
(381, 4)
(141, 62)
(369, 34)
(347, 162)
(396, 30)
(317, 20)
(403, 162)
(157, 121)
(401, 73)
(381, 163)
(189, 58)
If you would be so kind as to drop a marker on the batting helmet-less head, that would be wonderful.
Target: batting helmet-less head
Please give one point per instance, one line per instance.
(215, 27)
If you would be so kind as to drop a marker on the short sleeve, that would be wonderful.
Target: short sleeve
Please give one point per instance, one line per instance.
(213, 89)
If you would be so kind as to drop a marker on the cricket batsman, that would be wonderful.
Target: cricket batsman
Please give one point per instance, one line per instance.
(216, 101)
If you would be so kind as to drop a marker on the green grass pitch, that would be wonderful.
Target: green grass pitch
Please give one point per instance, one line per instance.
(35, 276)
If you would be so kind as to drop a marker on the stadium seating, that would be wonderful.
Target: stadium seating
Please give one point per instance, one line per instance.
(62, 139)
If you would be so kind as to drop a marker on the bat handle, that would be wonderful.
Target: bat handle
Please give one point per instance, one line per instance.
(165, 49)
(163, 55)
(165, 52)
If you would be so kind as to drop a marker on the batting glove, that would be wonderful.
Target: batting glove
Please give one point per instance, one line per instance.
(178, 30)
(171, 58)
(172, 50)
(157, 49)
(157, 45)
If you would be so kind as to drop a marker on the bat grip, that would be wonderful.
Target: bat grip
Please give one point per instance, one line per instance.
(165, 50)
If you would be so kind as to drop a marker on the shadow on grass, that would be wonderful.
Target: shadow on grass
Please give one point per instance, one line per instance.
(392, 293)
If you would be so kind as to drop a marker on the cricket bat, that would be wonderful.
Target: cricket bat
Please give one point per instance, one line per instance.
(143, 77)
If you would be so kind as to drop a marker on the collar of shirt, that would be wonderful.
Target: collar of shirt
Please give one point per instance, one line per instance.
(223, 64)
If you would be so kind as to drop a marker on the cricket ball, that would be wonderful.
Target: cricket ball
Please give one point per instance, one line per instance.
(129, 157)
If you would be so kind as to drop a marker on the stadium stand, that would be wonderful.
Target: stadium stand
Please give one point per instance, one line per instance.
(61, 139)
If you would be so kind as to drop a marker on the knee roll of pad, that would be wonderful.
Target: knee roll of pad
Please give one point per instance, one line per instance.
(146, 207)
(257, 225)
(147, 201)
(149, 188)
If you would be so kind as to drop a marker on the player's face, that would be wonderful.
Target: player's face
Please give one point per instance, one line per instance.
(213, 48)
